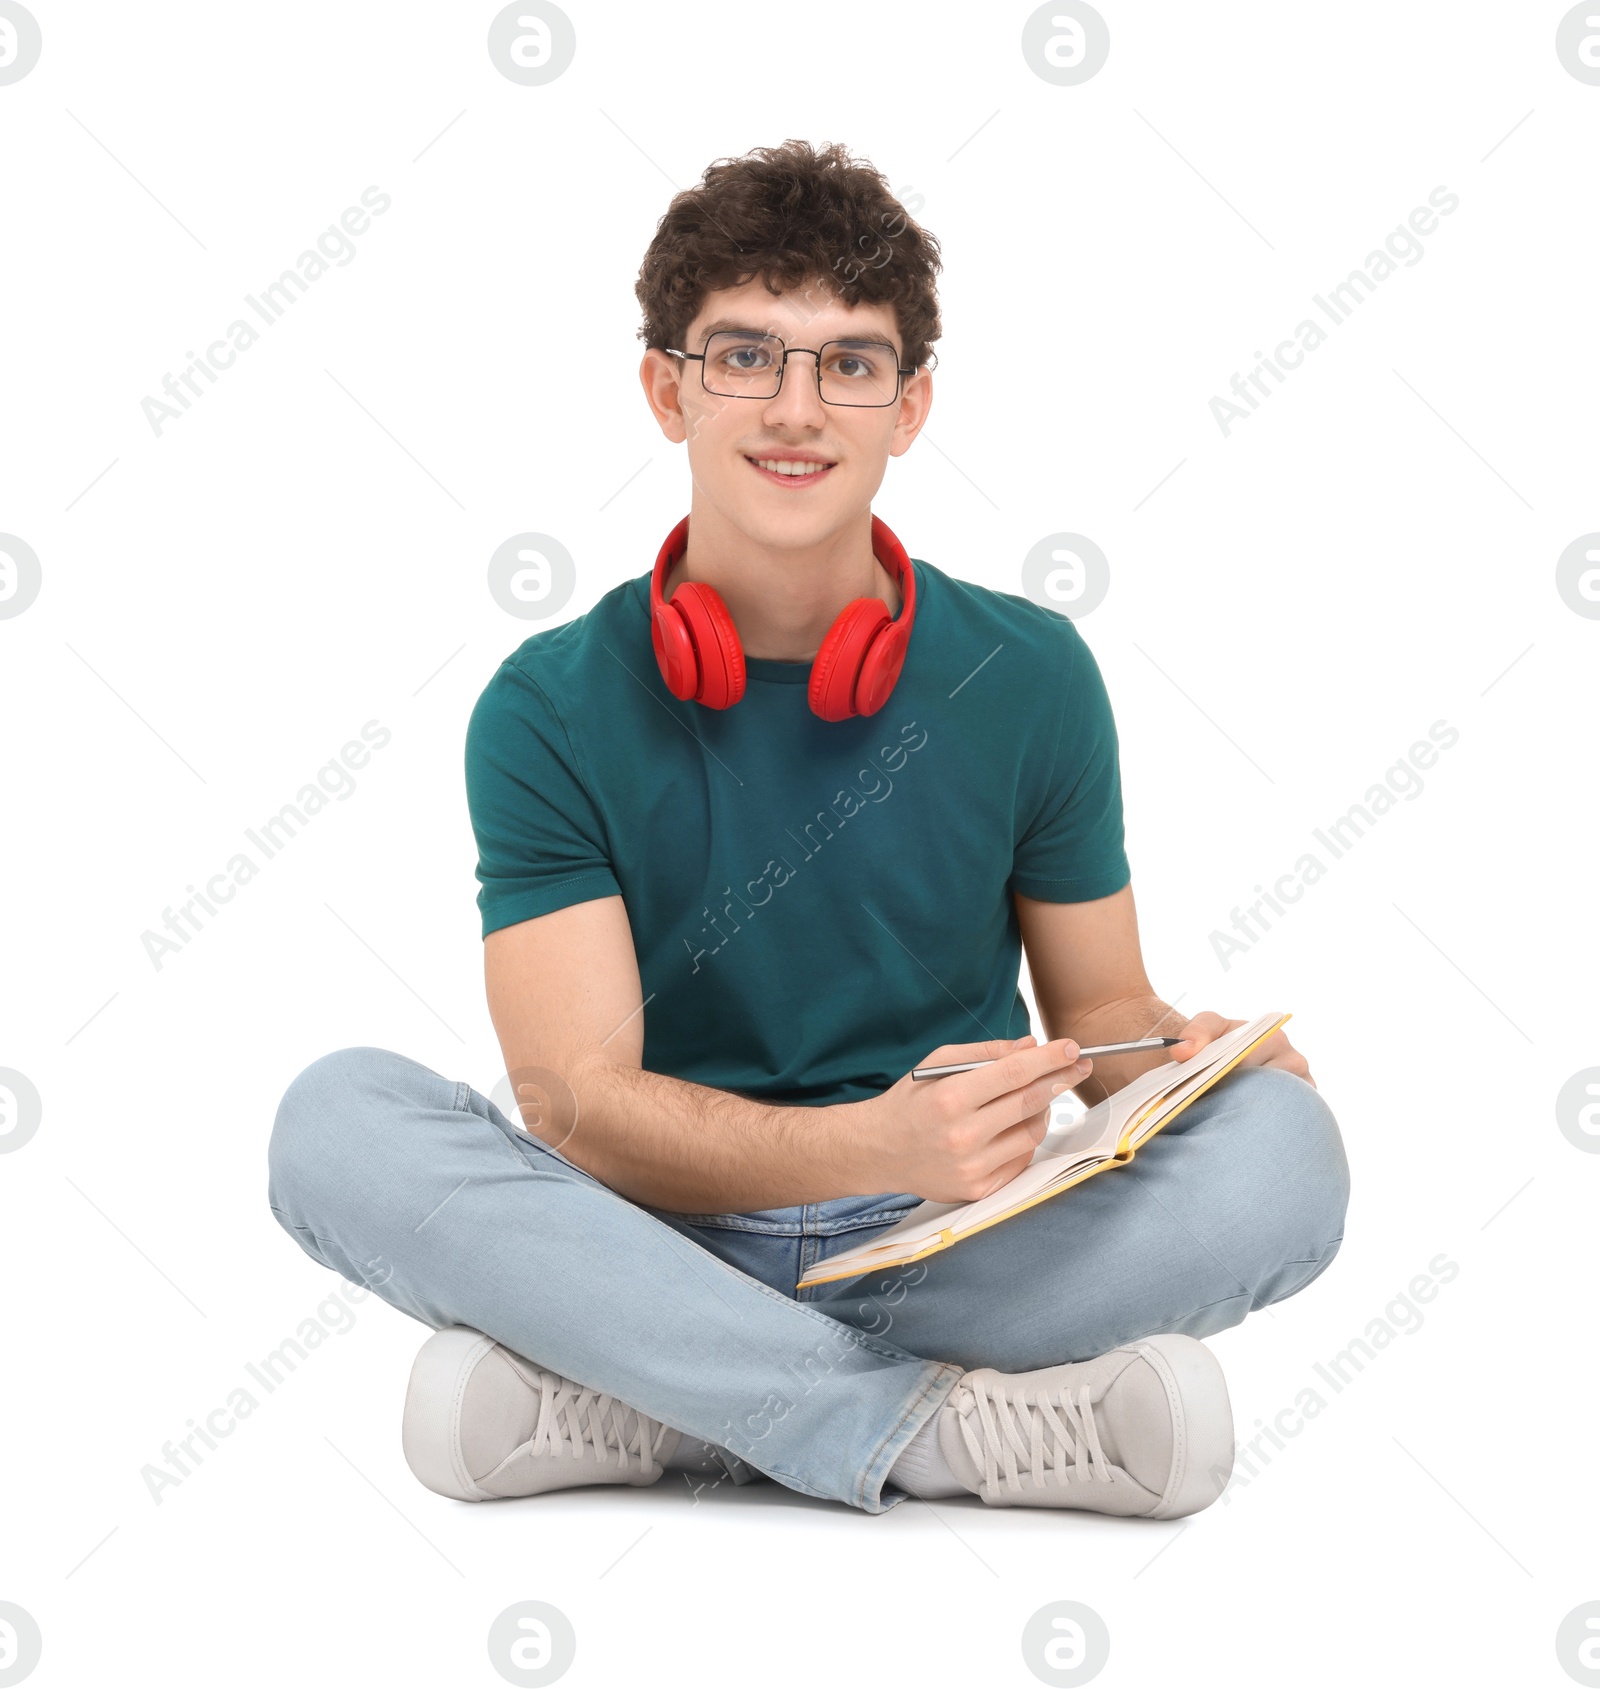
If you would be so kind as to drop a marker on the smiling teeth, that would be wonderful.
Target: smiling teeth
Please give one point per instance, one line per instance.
(784, 466)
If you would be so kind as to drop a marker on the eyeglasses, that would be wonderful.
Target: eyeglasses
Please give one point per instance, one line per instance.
(739, 365)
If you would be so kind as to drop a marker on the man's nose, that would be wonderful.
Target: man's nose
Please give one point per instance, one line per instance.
(797, 402)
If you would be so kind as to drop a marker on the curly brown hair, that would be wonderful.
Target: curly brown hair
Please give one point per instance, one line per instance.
(795, 216)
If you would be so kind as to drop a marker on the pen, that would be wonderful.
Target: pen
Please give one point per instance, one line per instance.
(1091, 1050)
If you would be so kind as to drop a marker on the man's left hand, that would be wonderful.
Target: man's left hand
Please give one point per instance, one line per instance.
(1275, 1051)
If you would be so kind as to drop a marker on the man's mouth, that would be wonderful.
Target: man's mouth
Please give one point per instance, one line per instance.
(791, 471)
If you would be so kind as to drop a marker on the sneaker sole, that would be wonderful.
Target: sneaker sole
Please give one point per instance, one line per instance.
(430, 1426)
(1202, 1419)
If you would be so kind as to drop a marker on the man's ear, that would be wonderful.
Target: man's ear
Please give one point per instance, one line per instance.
(916, 400)
(660, 376)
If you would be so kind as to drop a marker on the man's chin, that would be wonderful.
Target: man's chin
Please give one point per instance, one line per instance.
(786, 521)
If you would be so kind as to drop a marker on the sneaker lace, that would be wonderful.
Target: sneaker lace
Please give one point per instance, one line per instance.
(1004, 1425)
(576, 1420)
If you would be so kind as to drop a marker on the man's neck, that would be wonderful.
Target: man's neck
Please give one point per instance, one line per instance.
(783, 602)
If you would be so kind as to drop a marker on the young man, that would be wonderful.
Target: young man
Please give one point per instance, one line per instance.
(761, 831)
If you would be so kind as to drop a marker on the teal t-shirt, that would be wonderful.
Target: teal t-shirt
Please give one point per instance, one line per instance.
(815, 905)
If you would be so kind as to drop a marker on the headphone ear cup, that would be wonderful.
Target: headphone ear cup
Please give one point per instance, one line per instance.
(716, 644)
(880, 669)
(674, 652)
(832, 691)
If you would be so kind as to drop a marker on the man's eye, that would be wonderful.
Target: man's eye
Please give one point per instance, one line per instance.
(853, 366)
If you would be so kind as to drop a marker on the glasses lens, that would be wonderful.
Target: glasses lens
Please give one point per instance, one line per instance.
(745, 366)
(859, 372)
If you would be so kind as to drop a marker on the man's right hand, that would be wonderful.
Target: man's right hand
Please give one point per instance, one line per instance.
(961, 1137)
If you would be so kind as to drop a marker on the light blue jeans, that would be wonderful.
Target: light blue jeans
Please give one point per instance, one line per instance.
(420, 1188)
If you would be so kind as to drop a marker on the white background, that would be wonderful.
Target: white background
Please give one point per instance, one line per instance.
(306, 549)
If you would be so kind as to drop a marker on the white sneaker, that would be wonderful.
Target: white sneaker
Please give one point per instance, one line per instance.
(1145, 1430)
(482, 1423)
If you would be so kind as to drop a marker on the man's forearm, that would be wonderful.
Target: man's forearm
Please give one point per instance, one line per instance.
(687, 1148)
(1114, 1023)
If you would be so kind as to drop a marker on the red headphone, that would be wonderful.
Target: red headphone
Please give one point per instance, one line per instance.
(697, 646)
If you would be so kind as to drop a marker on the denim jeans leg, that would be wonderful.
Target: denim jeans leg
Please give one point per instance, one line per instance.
(420, 1188)
(1240, 1202)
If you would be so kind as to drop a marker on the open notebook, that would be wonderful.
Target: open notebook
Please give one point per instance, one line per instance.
(1106, 1136)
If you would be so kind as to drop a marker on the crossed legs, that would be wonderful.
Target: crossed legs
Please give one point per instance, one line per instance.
(418, 1187)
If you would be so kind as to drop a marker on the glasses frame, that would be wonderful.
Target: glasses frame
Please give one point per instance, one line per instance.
(901, 370)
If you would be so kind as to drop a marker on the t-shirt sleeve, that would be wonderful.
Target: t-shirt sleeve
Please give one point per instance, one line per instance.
(541, 841)
(1071, 850)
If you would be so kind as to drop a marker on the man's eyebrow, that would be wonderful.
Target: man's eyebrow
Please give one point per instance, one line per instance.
(725, 325)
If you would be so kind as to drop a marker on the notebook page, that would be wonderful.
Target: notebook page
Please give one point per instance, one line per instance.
(1197, 1073)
